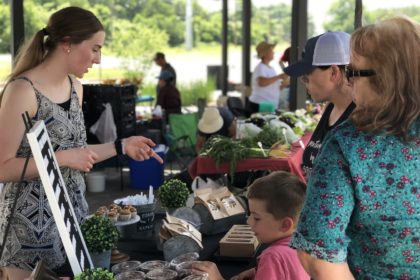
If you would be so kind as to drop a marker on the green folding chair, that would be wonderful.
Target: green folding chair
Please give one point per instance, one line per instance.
(181, 139)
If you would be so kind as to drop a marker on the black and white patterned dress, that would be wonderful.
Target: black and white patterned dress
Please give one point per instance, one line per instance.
(33, 235)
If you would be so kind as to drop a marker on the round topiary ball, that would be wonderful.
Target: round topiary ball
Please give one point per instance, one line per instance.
(173, 193)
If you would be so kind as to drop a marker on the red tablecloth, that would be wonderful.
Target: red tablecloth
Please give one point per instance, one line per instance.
(295, 159)
(205, 165)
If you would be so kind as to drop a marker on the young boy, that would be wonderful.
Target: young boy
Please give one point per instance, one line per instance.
(275, 202)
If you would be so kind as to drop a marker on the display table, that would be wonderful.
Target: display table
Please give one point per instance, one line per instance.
(146, 249)
(204, 165)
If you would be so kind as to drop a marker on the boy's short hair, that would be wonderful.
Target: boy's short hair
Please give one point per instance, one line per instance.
(159, 55)
(283, 193)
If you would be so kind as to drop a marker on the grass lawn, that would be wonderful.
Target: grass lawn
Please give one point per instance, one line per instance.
(210, 54)
(97, 74)
(94, 74)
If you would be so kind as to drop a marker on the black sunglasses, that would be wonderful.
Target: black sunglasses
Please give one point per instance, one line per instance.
(350, 73)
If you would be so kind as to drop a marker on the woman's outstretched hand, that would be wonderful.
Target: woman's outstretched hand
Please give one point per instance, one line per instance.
(81, 159)
(140, 148)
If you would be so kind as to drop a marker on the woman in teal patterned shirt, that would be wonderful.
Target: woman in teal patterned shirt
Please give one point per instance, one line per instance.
(361, 218)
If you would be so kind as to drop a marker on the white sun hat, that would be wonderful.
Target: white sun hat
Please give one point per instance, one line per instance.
(211, 121)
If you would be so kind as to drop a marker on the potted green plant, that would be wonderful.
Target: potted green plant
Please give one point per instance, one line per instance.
(101, 235)
(95, 274)
(173, 194)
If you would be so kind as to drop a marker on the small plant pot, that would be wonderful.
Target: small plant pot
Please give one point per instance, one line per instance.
(100, 235)
(101, 259)
(173, 194)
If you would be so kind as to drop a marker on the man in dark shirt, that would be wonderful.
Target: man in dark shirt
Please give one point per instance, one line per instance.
(168, 97)
(160, 60)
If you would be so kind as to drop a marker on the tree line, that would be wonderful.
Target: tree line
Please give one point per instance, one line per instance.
(159, 22)
(137, 28)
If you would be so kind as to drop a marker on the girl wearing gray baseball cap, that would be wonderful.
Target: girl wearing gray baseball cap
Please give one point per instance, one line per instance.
(322, 71)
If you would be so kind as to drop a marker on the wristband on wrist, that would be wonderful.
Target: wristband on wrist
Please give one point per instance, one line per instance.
(123, 146)
(119, 146)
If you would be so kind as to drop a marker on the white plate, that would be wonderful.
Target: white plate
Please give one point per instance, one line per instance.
(128, 222)
(123, 223)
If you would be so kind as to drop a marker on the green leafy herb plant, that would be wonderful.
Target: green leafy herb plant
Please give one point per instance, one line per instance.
(226, 150)
(173, 193)
(95, 274)
(100, 234)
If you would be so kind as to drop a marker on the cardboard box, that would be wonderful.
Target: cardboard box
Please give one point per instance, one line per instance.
(239, 241)
(220, 202)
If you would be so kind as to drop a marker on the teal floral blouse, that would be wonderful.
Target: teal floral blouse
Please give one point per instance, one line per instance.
(363, 204)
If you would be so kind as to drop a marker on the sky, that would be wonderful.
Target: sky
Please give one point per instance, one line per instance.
(316, 8)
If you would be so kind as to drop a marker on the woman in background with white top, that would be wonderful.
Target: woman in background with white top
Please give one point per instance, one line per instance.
(265, 82)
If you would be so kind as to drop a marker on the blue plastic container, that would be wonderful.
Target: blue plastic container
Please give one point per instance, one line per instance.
(149, 172)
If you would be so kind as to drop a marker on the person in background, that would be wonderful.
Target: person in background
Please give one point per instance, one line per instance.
(361, 217)
(160, 60)
(322, 71)
(44, 84)
(265, 81)
(285, 81)
(220, 121)
(169, 97)
(215, 121)
(285, 58)
(274, 202)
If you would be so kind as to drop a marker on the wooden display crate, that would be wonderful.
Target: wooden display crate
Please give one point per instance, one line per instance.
(239, 241)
